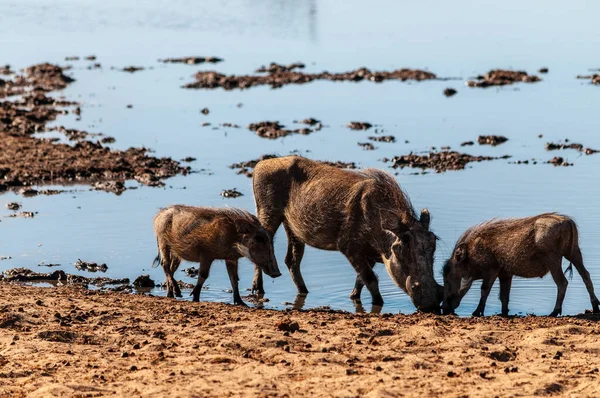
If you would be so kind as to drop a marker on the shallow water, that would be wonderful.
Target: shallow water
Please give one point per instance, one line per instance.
(458, 39)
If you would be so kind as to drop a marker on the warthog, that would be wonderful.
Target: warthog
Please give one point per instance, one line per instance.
(203, 234)
(364, 215)
(527, 247)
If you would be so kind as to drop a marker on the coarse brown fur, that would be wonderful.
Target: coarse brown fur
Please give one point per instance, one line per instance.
(363, 214)
(526, 247)
(203, 234)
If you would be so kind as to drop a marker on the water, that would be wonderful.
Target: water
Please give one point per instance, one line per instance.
(457, 39)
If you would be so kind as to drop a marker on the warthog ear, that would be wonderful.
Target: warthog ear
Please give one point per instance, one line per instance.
(389, 239)
(243, 227)
(425, 218)
(460, 253)
(389, 220)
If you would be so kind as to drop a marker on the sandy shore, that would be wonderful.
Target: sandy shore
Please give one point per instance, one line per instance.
(69, 341)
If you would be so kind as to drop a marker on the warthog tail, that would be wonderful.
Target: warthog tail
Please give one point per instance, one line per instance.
(569, 270)
(574, 245)
(157, 260)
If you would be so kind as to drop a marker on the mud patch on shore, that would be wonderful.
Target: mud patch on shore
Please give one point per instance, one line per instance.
(438, 161)
(500, 77)
(27, 275)
(279, 75)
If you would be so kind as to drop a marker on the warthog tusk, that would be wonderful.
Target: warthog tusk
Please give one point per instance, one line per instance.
(408, 285)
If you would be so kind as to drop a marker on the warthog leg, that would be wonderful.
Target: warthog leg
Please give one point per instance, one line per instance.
(202, 276)
(577, 261)
(257, 282)
(489, 278)
(270, 219)
(293, 258)
(505, 282)
(561, 284)
(358, 286)
(232, 270)
(367, 276)
(175, 261)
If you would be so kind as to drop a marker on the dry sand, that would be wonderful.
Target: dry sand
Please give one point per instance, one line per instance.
(68, 341)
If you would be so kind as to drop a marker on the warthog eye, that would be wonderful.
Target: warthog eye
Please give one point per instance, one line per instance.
(261, 239)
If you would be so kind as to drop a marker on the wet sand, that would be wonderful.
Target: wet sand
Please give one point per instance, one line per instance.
(68, 341)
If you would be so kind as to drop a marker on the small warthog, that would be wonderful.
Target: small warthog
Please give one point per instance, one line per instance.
(527, 247)
(364, 215)
(203, 234)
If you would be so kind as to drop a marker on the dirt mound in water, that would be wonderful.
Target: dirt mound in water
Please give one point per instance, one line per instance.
(500, 77)
(26, 160)
(279, 76)
(111, 344)
(438, 161)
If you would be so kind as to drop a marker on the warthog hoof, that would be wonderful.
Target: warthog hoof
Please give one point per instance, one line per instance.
(478, 313)
(257, 290)
(555, 313)
(240, 303)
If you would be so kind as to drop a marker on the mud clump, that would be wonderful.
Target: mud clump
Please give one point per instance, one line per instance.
(275, 68)
(492, 140)
(543, 70)
(133, 69)
(191, 60)
(273, 130)
(467, 143)
(281, 76)
(551, 389)
(231, 193)
(367, 146)
(340, 165)
(143, 281)
(359, 125)
(288, 326)
(383, 138)
(116, 187)
(503, 356)
(205, 111)
(39, 78)
(449, 92)
(89, 266)
(245, 167)
(559, 161)
(438, 161)
(594, 79)
(500, 77)
(310, 121)
(551, 146)
(13, 206)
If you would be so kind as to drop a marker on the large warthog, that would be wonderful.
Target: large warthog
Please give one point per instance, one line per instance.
(202, 234)
(526, 247)
(364, 215)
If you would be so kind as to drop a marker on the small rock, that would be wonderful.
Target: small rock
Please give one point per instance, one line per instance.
(205, 111)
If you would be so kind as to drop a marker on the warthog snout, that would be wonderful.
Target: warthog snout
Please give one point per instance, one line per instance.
(272, 270)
